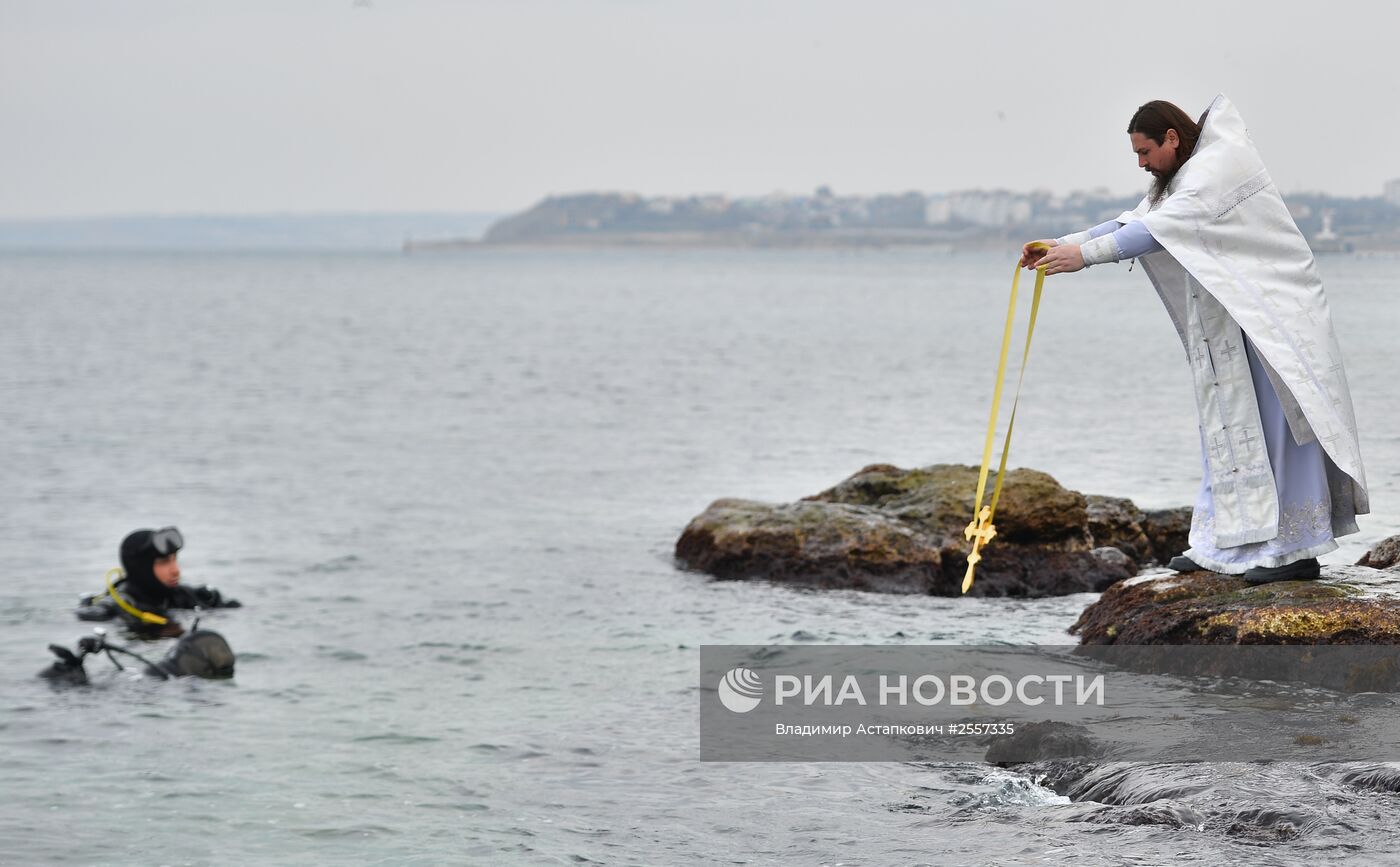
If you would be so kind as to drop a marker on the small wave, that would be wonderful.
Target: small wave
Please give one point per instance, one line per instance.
(1009, 790)
(1165, 813)
(359, 831)
(396, 738)
(1375, 778)
(337, 564)
(444, 645)
(340, 654)
(448, 659)
(462, 807)
(1267, 823)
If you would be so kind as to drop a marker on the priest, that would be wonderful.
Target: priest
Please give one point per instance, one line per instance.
(1282, 477)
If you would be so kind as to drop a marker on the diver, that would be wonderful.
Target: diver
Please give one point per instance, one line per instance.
(200, 653)
(150, 587)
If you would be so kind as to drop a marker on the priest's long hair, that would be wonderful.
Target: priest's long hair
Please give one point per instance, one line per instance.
(1153, 119)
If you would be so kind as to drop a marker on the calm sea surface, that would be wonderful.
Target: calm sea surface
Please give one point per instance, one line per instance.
(447, 489)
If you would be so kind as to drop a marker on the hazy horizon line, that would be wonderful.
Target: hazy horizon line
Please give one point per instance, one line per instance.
(270, 214)
(1097, 192)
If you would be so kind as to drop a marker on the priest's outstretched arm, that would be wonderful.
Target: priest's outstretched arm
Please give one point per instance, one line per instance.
(1114, 241)
(1111, 241)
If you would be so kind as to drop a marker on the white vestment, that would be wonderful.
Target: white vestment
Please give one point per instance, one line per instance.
(1234, 262)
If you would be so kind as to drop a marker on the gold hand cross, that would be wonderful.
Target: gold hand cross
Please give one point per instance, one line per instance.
(980, 531)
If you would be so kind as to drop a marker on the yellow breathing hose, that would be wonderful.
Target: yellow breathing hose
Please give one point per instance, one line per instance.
(143, 616)
(981, 530)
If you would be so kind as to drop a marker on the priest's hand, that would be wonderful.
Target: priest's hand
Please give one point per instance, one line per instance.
(1062, 259)
(1032, 252)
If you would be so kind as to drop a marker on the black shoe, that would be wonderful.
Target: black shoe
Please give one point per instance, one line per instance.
(1181, 563)
(1303, 570)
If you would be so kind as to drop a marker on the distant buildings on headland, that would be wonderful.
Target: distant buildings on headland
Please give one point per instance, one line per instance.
(959, 220)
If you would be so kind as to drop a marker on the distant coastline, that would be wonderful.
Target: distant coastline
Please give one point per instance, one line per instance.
(971, 219)
(967, 220)
(777, 239)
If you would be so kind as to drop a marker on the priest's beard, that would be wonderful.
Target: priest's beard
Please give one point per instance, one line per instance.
(1159, 185)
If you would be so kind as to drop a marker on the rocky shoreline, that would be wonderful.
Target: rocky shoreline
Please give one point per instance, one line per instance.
(892, 530)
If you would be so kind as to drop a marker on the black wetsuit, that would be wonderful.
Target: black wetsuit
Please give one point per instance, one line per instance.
(102, 607)
(144, 592)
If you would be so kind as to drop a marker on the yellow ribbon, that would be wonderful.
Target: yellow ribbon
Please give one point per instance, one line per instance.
(143, 616)
(981, 530)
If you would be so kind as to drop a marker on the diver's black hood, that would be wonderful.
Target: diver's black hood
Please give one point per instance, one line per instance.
(138, 562)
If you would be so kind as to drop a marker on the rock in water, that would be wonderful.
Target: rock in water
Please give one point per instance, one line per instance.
(1038, 741)
(1386, 555)
(901, 531)
(1347, 605)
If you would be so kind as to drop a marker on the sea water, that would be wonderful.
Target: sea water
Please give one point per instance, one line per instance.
(447, 489)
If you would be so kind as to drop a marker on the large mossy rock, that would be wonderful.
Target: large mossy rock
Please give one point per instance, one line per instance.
(1347, 605)
(901, 531)
(1034, 508)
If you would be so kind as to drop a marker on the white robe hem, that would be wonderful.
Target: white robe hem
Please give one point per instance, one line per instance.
(1268, 562)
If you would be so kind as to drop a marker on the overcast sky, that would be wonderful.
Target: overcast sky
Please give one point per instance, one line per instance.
(255, 106)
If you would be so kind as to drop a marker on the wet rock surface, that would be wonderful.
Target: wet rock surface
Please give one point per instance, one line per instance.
(1044, 740)
(1347, 605)
(1241, 802)
(893, 530)
(1340, 632)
